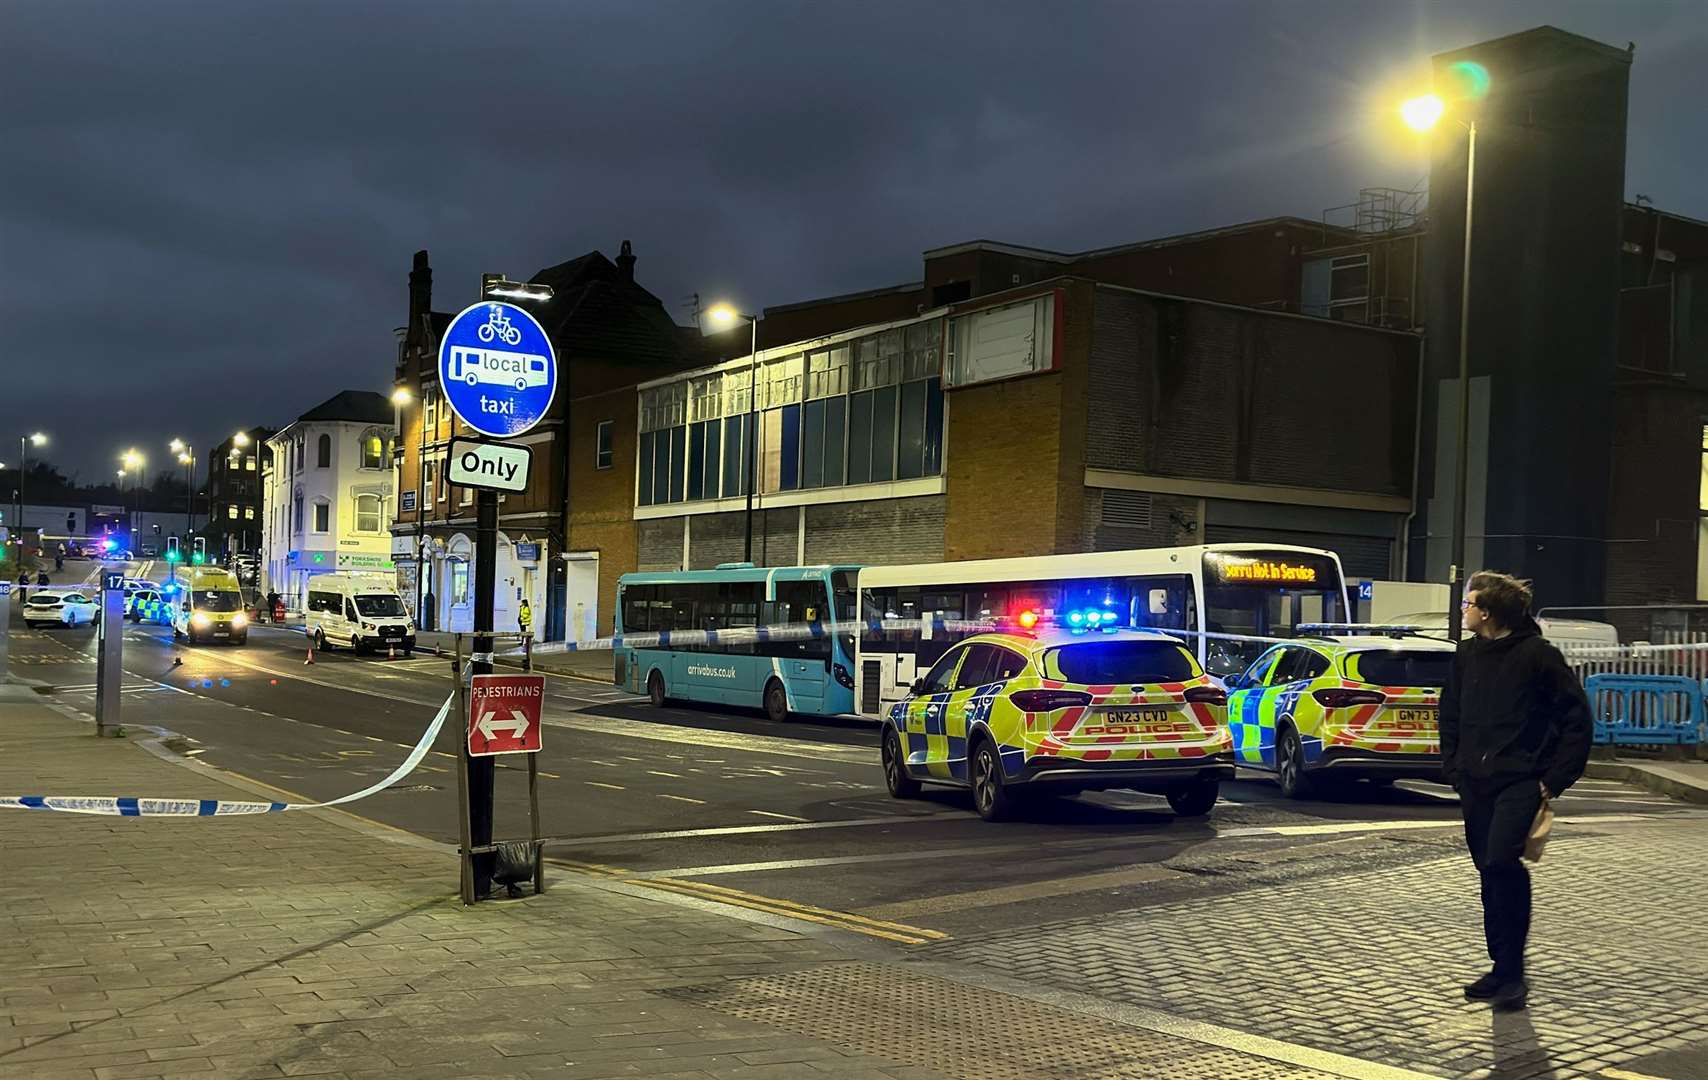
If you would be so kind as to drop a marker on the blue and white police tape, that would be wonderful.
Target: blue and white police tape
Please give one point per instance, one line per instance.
(133, 806)
(934, 626)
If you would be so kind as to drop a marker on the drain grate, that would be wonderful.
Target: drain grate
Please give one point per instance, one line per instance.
(968, 1032)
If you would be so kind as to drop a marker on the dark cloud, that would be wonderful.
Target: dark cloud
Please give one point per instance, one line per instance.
(209, 209)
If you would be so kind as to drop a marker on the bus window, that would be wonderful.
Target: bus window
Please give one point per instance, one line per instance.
(1165, 603)
(1264, 594)
(800, 602)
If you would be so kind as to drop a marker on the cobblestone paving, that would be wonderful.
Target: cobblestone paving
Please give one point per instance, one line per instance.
(1370, 964)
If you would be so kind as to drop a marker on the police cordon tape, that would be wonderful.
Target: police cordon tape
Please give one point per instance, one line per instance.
(132, 806)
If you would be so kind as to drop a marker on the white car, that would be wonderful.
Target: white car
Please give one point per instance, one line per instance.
(59, 609)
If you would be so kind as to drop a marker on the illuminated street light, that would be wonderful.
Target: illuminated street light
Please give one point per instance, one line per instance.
(401, 397)
(1422, 113)
(240, 439)
(725, 314)
(176, 446)
(1470, 82)
(500, 286)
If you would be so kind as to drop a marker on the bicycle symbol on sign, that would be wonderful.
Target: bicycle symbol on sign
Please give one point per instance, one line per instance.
(498, 326)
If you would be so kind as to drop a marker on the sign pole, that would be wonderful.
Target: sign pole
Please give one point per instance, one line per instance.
(109, 654)
(482, 770)
(534, 824)
(5, 622)
(465, 861)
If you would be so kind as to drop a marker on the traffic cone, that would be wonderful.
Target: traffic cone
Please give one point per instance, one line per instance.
(391, 652)
(310, 659)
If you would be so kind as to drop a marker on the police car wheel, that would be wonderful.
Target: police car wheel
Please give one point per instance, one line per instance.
(776, 702)
(896, 778)
(655, 690)
(991, 797)
(1290, 766)
(1195, 798)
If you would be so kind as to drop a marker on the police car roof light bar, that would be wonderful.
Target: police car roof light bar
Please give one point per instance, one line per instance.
(1384, 629)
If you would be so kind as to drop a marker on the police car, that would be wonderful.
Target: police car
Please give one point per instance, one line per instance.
(133, 586)
(149, 606)
(1348, 703)
(1059, 710)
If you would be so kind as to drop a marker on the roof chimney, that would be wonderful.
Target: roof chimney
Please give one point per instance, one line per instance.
(420, 289)
(626, 262)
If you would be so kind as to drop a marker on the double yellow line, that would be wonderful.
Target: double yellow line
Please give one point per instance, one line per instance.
(789, 909)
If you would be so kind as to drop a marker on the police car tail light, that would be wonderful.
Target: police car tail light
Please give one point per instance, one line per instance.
(1048, 700)
(1342, 699)
(1206, 695)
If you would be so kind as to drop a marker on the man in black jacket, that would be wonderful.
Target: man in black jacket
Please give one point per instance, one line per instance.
(1515, 729)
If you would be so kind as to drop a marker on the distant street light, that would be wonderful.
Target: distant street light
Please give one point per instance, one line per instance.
(728, 315)
(187, 458)
(24, 441)
(1422, 114)
(498, 285)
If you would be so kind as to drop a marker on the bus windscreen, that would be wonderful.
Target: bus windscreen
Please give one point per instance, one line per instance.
(1267, 595)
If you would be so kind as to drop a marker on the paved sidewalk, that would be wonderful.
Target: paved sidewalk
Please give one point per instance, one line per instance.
(1686, 780)
(596, 665)
(1371, 964)
(313, 944)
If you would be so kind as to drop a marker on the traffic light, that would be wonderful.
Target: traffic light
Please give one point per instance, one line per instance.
(200, 554)
(173, 554)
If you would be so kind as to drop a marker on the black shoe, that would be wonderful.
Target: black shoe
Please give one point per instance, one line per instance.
(1511, 996)
(1483, 989)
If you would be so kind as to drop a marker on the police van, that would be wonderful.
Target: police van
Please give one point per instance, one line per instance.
(209, 607)
(358, 611)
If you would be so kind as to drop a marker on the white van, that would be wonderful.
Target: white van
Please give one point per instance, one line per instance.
(361, 611)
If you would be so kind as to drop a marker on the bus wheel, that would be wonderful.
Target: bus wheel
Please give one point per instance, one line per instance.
(776, 702)
(655, 689)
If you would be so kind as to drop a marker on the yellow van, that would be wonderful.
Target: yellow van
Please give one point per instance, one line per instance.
(211, 608)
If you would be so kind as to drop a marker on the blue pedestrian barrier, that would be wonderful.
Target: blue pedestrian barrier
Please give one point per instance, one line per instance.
(1646, 710)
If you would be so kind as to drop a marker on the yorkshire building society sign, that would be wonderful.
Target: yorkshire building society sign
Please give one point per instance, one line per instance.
(494, 466)
(497, 369)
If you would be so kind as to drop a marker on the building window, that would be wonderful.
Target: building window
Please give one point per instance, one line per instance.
(296, 514)
(248, 513)
(459, 582)
(1702, 522)
(231, 511)
(368, 513)
(430, 413)
(1336, 288)
(322, 516)
(602, 444)
(323, 452)
(373, 451)
(249, 463)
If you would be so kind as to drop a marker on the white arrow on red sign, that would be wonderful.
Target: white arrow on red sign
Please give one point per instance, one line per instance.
(490, 724)
(504, 714)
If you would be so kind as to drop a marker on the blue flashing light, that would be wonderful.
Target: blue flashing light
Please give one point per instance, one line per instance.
(1075, 618)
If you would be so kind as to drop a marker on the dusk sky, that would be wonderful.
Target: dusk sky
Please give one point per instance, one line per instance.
(210, 208)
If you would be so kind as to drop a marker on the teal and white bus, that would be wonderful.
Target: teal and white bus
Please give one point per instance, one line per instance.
(809, 673)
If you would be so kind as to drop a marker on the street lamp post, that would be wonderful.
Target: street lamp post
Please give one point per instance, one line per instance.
(1422, 114)
(187, 458)
(726, 314)
(133, 462)
(24, 443)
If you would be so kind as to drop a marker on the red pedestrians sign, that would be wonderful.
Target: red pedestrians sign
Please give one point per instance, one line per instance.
(504, 714)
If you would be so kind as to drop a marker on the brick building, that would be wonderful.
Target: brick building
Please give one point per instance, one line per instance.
(236, 503)
(1061, 416)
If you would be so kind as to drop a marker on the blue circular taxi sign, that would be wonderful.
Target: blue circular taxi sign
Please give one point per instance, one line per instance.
(497, 369)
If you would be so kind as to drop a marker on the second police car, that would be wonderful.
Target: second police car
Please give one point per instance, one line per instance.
(1343, 705)
(1060, 710)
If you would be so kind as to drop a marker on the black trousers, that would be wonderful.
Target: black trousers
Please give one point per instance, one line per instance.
(1498, 815)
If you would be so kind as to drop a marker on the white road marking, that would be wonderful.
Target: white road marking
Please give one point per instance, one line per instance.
(785, 817)
(661, 772)
(612, 787)
(733, 830)
(680, 798)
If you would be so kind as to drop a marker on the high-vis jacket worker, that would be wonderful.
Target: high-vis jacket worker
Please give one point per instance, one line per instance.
(525, 618)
